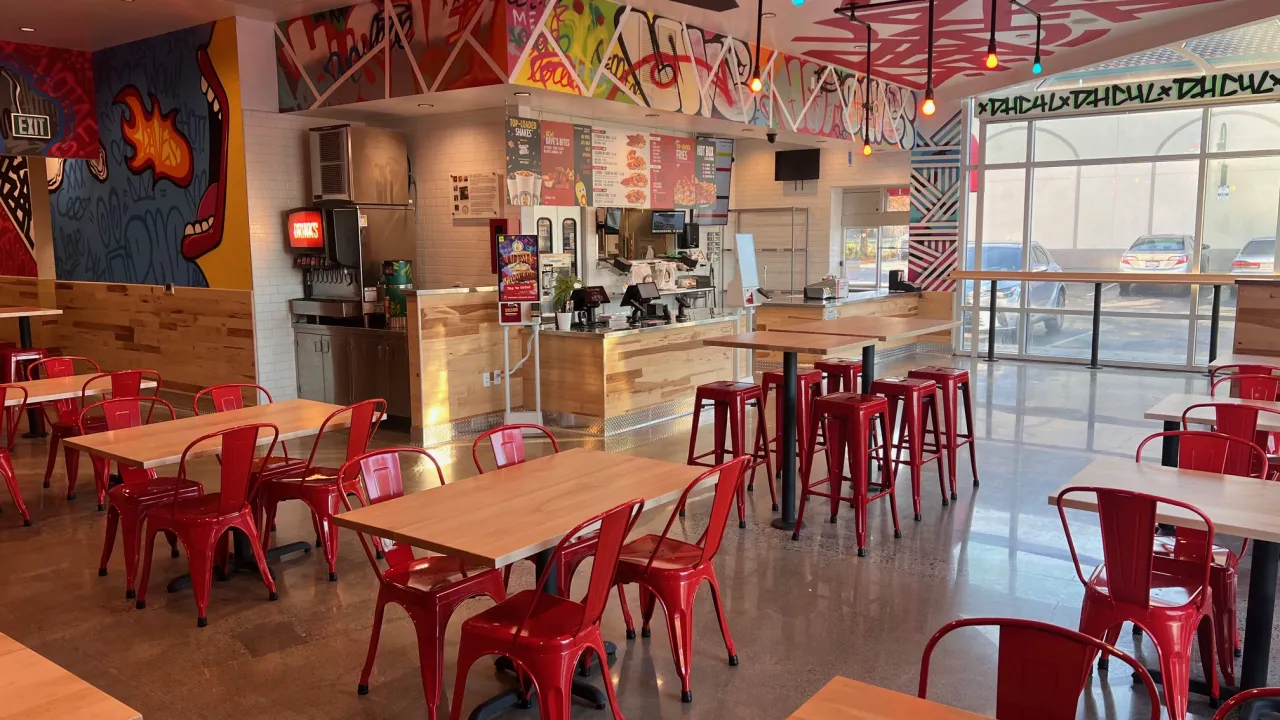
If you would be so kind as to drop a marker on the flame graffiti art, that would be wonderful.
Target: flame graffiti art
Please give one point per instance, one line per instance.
(158, 145)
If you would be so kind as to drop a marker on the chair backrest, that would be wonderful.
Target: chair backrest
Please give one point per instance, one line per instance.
(239, 445)
(507, 443)
(1242, 369)
(1241, 698)
(614, 525)
(379, 474)
(1249, 386)
(65, 410)
(15, 394)
(1041, 669)
(120, 413)
(124, 383)
(366, 415)
(1128, 523)
(228, 396)
(1215, 452)
(728, 477)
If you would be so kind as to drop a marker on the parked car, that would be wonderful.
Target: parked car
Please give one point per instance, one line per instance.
(1160, 254)
(1257, 257)
(1047, 293)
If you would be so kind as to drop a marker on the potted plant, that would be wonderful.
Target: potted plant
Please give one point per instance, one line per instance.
(566, 283)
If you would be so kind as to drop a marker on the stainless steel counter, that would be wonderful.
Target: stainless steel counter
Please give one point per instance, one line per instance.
(603, 332)
(853, 297)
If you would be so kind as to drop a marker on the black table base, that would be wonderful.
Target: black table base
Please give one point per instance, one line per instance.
(35, 427)
(242, 559)
(787, 485)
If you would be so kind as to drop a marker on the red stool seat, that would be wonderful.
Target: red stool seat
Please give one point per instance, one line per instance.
(808, 387)
(916, 398)
(953, 389)
(841, 374)
(729, 400)
(849, 419)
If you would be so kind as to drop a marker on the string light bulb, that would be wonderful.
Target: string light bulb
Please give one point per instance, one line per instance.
(866, 148)
(993, 60)
(928, 107)
(797, 3)
(1037, 68)
(756, 85)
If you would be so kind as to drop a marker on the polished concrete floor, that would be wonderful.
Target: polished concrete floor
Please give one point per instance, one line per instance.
(801, 612)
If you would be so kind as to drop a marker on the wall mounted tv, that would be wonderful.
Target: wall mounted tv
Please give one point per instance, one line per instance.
(790, 165)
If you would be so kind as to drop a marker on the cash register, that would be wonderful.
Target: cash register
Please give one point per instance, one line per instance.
(639, 299)
(585, 303)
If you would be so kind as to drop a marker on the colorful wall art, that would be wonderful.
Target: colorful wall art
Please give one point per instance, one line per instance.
(166, 201)
(17, 245)
(49, 93)
(935, 203)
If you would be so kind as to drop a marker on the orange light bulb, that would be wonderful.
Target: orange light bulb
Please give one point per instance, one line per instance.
(992, 61)
(929, 107)
(866, 148)
(756, 85)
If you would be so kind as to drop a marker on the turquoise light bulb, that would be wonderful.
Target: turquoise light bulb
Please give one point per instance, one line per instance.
(797, 3)
(1037, 68)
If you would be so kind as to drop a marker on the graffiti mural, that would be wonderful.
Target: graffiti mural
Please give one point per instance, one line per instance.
(363, 52)
(935, 205)
(54, 83)
(153, 206)
(16, 243)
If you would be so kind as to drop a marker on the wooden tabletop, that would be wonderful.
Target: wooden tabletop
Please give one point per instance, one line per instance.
(1240, 506)
(506, 515)
(162, 443)
(845, 699)
(62, 388)
(33, 688)
(1142, 278)
(875, 326)
(1233, 359)
(18, 312)
(780, 341)
(1170, 410)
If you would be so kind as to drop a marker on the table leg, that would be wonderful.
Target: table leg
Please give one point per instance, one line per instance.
(868, 368)
(1259, 616)
(1215, 318)
(1097, 327)
(991, 326)
(242, 558)
(35, 428)
(787, 485)
(1169, 445)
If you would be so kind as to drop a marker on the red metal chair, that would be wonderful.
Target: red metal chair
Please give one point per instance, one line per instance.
(1249, 386)
(1241, 698)
(1130, 587)
(62, 416)
(1242, 369)
(955, 393)
(429, 588)
(200, 522)
(319, 486)
(231, 396)
(543, 634)
(12, 360)
(918, 400)
(140, 490)
(507, 444)
(9, 394)
(670, 571)
(1238, 420)
(808, 388)
(841, 374)
(1041, 669)
(1223, 454)
(729, 401)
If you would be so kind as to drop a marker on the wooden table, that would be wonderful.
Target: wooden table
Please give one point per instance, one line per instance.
(790, 344)
(160, 444)
(35, 429)
(1217, 280)
(66, 388)
(33, 688)
(845, 699)
(1170, 409)
(522, 511)
(880, 328)
(1240, 359)
(1240, 506)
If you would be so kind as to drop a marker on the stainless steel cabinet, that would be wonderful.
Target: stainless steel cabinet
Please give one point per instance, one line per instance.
(397, 396)
(345, 365)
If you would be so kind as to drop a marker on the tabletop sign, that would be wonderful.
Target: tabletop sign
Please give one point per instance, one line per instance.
(517, 268)
(35, 127)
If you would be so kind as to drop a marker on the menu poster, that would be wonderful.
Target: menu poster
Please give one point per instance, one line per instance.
(524, 161)
(582, 190)
(662, 171)
(705, 171)
(685, 192)
(718, 212)
(517, 268)
(620, 168)
(557, 164)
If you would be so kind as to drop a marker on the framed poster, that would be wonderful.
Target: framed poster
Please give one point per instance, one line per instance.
(524, 161)
(477, 195)
(517, 268)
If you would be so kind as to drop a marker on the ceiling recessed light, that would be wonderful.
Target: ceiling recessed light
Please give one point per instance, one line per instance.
(421, 105)
(521, 94)
(27, 29)
(769, 16)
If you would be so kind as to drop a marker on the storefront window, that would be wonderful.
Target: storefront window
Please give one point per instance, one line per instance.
(1252, 127)
(1171, 132)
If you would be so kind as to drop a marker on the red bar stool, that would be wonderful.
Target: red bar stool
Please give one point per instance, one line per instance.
(953, 386)
(13, 360)
(916, 397)
(849, 419)
(729, 400)
(841, 374)
(808, 387)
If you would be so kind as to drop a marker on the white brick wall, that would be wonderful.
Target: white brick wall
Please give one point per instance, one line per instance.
(453, 252)
(276, 162)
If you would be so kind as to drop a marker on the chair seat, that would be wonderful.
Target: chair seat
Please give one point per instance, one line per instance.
(432, 573)
(673, 555)
(1167, 590)
(555, 622)
(1221, 555)
(194, 509)
(156, 488)
(278, 466)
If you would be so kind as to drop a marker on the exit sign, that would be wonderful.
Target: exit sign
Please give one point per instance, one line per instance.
(31, 126)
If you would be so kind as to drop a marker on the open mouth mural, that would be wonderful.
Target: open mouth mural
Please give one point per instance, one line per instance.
(205, 232)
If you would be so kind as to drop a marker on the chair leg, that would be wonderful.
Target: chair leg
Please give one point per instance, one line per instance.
(913, 422)
(101, 478)
(888, 480)
(949, 414)
(679, 612)
(648, 601)
(269, 506)
(467, 656)
(328, 536)
(626, 613)
(693, 431)
(1223, 586)
(113, 522)
(150, 539)
(131, 535)
(1206, 636)
(762, 448)
(55, 438)
(937, 444)
(554, 692)
(837, 440)
(858, 452)
(428, 623)
(245, 525)
(374, 636)
(738, 431)
(598, 646)
(71, 457)
(724, 624)
(200, 562)
(11, 481)
(968, 424)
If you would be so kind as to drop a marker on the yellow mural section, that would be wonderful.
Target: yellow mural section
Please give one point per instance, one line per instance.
(227, 266)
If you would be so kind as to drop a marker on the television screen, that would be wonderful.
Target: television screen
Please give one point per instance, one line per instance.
(648, 291)
(789, 165)
(668, 222)
(613, 219)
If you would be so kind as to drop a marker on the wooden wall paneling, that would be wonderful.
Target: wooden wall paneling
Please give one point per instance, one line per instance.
(654, 367)
(572, 374)
(1257, 318)
(194, 337)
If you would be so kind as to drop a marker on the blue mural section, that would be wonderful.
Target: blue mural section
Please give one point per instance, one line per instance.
(149, 207)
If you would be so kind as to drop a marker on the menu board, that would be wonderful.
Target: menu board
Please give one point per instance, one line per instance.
(557, 164)
(662, 179)
(524, 161)
(477, 195)
(684, 191)
(517, 268)
(713, 201)
(620, 166)
(582, 165)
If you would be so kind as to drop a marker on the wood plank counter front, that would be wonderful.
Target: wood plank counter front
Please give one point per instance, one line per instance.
(34, 688)
(845, 699)
(1258, 317)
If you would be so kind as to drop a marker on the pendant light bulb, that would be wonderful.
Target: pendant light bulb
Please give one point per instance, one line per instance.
(866, 148)
(993, 60)
(929, 107)
(1037, 68)
(756, 85)
(797, 3)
